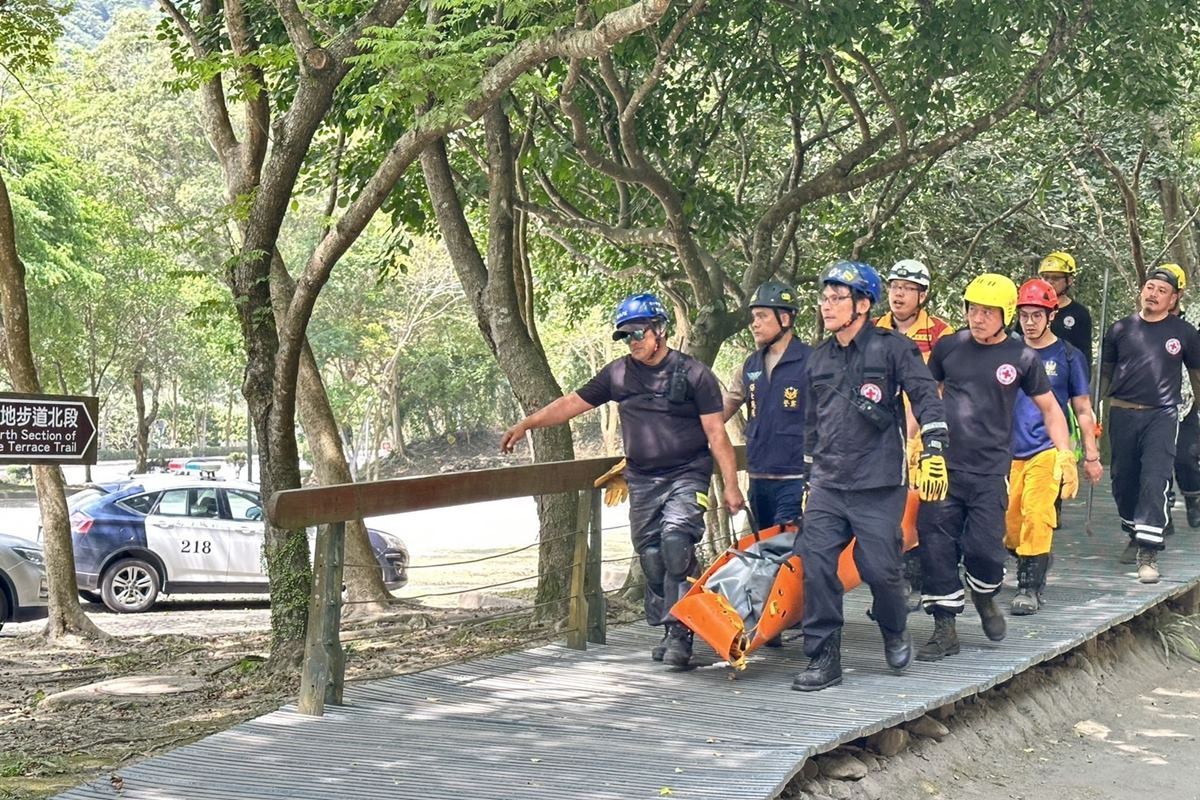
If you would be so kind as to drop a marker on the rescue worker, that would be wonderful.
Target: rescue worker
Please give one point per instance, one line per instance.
(908, 283)
(1140, 373)
(773, 383)
(981, 369)
(1187, 443)
(854, 437)
(1073, 322)
(1032, 491)
(672, 428)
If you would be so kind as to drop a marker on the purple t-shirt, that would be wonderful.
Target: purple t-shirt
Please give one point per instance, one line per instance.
(659, 436)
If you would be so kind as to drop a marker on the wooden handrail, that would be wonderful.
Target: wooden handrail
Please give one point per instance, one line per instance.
(298, 508)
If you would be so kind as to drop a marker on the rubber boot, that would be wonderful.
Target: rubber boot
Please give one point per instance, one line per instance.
(944, 641)
(1129, 554)
(1193, 510)
(824, 669)
(679, 645)
(1031, 579)
(659, 649)
(1147, 561)
(898, 649)
(994, 625)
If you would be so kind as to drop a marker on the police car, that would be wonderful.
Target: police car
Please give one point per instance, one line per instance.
(162, 534)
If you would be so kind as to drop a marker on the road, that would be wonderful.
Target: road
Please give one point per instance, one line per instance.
(444, 536)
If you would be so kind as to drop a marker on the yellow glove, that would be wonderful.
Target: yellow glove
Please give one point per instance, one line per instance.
(933, 479)
(616, 488)
(1066, 474)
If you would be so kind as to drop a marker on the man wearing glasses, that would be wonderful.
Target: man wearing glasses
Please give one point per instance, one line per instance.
(673, 427)
(1073, 322)
(908, 283)
(854, 437)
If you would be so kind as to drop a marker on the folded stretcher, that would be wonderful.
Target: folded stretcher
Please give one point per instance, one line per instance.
(755, 589)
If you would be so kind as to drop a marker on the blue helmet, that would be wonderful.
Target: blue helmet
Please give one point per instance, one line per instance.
(858, 276)
(639, 306)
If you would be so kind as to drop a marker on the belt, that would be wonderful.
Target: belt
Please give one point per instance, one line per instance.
(1117, 402)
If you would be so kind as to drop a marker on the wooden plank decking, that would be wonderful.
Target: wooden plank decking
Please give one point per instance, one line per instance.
(607, 723)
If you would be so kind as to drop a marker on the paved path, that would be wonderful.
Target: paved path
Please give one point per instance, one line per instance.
(608, 723)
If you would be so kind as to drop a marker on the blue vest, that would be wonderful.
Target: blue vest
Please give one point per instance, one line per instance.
(775, 426)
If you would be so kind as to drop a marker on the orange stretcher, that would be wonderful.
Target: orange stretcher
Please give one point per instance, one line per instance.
(713, 618)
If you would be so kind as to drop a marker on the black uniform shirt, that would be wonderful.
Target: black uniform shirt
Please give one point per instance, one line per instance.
(1073, 322)
(847, 450)
(979, 387)
(1147, 357)
(660, 437)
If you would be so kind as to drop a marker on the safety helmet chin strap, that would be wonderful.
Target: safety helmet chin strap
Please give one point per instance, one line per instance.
(782, 328)
(854, 315)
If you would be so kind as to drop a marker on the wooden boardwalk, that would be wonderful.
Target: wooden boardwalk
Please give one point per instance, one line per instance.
(608, 723)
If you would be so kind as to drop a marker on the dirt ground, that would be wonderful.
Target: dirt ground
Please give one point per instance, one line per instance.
(46, 747)
(1119, 722)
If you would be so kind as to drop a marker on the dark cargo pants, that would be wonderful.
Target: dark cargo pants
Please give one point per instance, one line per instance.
(1143, 456)
(666, 520)
(967, 527)
(831, 519)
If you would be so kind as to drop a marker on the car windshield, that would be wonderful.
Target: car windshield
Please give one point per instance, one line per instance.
(84, 496)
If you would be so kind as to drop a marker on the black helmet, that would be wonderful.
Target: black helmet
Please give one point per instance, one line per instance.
(774, 294)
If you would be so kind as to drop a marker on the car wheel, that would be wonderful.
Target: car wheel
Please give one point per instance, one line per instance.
(130, 586)
(3, 609)
(91, 597)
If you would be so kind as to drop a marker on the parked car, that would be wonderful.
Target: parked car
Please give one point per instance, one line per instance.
(23, 587)
(164, 534)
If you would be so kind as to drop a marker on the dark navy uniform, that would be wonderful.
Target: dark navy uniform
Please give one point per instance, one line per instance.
(668, 465)
(1146, 360)
(858, 477)
(775, 403)
(980, 387)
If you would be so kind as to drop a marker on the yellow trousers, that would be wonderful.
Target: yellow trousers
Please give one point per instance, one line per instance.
(1029, 523)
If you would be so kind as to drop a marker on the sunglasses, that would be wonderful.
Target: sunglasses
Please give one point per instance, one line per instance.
(637, 334)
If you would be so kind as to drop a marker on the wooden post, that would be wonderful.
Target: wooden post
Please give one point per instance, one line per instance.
(577, 616)
(1187, 602)
(324, 662)
(594, 591)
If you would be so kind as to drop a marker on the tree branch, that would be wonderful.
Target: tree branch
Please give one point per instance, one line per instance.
(864, 129)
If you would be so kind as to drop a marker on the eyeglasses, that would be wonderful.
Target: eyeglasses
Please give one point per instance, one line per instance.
(833, 299)
(903, 288)
(634, 335)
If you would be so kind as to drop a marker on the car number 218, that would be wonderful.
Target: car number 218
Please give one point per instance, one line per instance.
(197, 547)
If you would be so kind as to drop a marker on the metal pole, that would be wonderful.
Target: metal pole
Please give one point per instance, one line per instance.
(1096, 399)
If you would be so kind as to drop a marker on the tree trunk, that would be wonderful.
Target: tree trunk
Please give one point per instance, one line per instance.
(144, 419)
(66, 618)
(491, 288)
(365, 592)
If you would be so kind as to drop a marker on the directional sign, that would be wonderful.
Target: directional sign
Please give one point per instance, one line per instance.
(47, 429)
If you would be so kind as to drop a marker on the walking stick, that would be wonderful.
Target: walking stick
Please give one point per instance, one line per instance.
(1096, 399)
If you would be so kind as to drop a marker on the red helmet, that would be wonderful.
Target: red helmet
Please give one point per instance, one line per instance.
(1037, 292)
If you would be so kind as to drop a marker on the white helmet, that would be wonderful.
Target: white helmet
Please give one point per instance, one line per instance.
(912, 271)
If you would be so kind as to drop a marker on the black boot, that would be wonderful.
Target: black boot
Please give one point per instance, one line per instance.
(824, 669)
(679, 645)
(1031, 576)
(944, 641)
(994, 625)
(1193, 510)
(898, 649)
(659, 649)
(774, 641)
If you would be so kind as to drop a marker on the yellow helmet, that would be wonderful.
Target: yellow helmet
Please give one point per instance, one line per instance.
(1058, 261)
(1177, 271)
(997, 291)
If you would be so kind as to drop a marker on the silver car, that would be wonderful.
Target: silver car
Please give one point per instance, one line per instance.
(23, 588)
